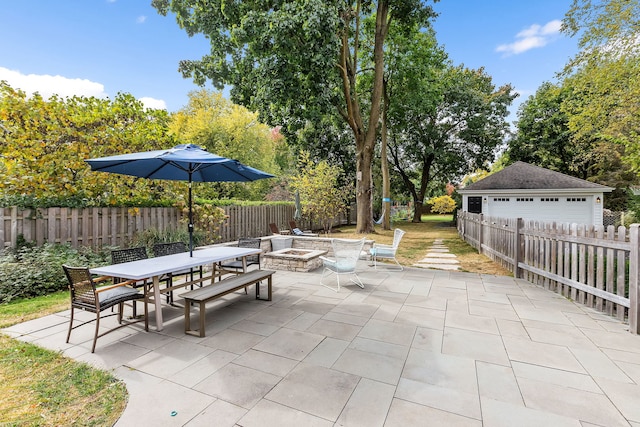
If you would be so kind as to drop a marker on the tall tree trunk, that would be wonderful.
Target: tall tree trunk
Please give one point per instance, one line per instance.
(364, 186)
(384, 165)
(364, 131)
(365, 146)
(417, 210)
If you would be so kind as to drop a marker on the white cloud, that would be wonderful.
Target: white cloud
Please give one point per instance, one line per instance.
(64, 87)
(156, 104)
(141, 19)
(47, 85)
(532, 37)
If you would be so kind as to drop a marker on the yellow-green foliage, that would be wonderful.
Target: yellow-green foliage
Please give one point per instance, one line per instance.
(442, 204)
(320, 196)
(45, 144)
(206, 218)
(232, 131)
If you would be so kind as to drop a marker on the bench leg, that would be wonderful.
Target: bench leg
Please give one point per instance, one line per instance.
(202, 317)
(187, 317)
(268, 289)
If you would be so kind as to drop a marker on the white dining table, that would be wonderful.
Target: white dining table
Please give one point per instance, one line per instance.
(154, 268)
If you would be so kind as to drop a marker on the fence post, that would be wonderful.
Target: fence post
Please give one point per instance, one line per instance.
(634, 280)
(480, 229)
(517, 251)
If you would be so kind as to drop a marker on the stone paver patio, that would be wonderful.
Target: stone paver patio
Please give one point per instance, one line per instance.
(417, 347)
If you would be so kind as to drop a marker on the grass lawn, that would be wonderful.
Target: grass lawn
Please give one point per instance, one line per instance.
(420, 236)
(40, 387)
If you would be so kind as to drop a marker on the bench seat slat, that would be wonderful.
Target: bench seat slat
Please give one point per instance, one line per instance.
(213, 291)
(225, 285)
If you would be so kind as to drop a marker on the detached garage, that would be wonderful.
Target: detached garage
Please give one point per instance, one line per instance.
(526, 191)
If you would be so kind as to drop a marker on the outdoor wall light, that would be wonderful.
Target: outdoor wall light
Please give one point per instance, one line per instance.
(598, 200)
(484, 200)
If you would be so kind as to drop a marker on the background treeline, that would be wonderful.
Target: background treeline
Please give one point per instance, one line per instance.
(45, 143)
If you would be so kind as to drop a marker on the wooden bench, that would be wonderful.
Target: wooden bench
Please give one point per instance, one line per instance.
(213, 291)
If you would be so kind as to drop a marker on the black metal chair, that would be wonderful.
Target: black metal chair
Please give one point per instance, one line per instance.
(119, 256)
(171, 248)
(236, 265)
(244, 242)
(85, 295)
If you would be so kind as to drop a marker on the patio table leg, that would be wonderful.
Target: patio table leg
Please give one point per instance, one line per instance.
(157, 299)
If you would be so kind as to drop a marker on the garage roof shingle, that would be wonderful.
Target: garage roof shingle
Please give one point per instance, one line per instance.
(525, 176)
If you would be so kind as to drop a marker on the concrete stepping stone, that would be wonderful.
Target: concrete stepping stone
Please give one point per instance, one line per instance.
(440, 255)
(439, 258)
(438, 266)
(439, 261)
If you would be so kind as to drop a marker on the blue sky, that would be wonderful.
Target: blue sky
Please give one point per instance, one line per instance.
(102, 47)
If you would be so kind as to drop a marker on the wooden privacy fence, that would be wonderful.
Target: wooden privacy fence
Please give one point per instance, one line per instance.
(96, 227)
(592, 265)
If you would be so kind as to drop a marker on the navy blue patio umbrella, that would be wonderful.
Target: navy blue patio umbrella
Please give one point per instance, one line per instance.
(185, 162)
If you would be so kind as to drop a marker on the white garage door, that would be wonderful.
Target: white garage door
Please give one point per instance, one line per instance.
(558, 209)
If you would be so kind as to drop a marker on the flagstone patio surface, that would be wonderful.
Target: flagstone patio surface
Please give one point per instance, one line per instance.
(417, 347)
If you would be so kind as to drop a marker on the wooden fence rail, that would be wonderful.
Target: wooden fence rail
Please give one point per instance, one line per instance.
(96, 227)
(592, 265)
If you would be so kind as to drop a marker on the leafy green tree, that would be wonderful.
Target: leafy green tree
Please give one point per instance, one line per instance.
(443, 120)
(46, 142)
(321, 195)
(232, 131)
(297, 61)
(543, 138)
(604, 74)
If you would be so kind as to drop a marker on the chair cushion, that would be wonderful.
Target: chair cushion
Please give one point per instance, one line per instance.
(340, 266)
(117, 295)
(237, 264)
(382, 252)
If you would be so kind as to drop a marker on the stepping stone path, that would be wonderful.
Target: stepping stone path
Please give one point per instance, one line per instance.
(439, 258)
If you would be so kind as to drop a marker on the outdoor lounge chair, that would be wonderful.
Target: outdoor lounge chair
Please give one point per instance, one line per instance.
(380, 251)
(298, 232)
(275, 230)
(346, 253)
(85, 295)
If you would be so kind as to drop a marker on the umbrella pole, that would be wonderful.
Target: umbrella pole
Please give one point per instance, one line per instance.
(190, 221)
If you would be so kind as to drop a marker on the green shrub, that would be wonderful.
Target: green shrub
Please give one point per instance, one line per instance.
(33, 271)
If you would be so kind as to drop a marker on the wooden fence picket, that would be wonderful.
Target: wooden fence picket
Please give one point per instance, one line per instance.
(116, 226)
(587, 264)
